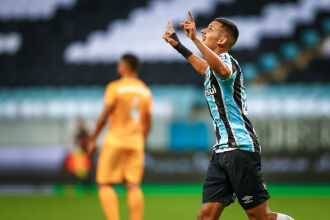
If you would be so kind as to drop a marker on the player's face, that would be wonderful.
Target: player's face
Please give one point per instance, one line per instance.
(211, 35)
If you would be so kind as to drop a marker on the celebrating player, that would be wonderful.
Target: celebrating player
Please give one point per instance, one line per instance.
(235, 168)
(128, 106)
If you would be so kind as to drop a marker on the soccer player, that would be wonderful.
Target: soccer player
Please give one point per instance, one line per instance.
(128, 108)
(235, 167)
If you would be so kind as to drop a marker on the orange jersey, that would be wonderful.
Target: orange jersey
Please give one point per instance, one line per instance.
(131, 100)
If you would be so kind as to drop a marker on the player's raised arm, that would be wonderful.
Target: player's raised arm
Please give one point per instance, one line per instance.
(213, 59)
(198, 63)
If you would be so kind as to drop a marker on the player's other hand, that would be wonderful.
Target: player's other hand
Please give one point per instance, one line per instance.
(167, 35)
(91, 147)
(189, 27)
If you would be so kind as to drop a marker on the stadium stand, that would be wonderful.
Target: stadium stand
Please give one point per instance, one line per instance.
(27, 67)
(10, 43)
(32, 9)
(269, 52)
(69, 102)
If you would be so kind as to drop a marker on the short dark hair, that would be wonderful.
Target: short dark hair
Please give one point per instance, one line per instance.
(133, 62)
(230, 28)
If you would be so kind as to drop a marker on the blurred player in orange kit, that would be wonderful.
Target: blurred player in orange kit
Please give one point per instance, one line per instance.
(128, 108)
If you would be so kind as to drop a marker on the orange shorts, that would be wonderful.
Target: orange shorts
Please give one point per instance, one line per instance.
(118, 165)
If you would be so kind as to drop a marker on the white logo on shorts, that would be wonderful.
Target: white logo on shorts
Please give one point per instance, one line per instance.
(265, 186)
(247, 199)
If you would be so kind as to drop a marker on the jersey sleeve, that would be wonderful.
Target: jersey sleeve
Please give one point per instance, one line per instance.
(226, 58)
(110, 94)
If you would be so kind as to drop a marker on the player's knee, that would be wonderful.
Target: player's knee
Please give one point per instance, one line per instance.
(267, 215)
(204, 214)
(251, 215)
(130, 186)
(201, 215)
(102, 186)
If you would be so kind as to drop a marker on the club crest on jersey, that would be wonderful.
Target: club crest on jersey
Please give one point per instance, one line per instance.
(207, 76)
(223, 56)
(210, 91)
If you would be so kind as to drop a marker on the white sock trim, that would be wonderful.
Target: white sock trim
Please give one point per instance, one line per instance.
(281, 216)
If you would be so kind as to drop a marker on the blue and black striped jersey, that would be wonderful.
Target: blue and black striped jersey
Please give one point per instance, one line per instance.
(227, 104)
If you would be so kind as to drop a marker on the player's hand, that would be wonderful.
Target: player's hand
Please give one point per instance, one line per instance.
(91, 147)
(167, 35)
(189, 27)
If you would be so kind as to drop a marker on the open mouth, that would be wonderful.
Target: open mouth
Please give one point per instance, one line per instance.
(203, 38)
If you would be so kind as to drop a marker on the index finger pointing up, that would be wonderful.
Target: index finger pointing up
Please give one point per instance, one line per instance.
(171, 26)
(191, 17)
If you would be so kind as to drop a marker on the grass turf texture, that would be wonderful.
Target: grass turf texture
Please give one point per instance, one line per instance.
(170, 202)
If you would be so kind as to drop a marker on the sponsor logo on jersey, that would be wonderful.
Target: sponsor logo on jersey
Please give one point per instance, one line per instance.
(210, 91)
(134, 89)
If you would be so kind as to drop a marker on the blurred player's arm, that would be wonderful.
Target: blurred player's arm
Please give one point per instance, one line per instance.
(198, 63)
(147, 118)
(213, 60)
(109, 103)
(147, 124)
(98, 128)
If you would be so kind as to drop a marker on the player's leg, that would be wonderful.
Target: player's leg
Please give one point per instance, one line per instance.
(109, 201)
(135, 201)
(133, 172)
(262, 212)
(217, 193)
(211, 211)
(108, 172)
(248, 183)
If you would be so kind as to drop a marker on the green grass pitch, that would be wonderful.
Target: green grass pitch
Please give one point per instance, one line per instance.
(168, 202)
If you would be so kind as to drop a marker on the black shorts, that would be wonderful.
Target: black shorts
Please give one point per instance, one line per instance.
(233, 174)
